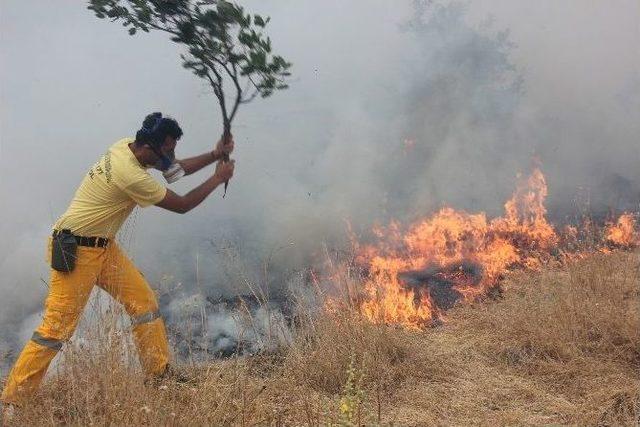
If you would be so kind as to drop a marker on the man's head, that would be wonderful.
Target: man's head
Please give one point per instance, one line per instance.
(157, 139)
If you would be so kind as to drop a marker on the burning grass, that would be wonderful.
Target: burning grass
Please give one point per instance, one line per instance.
(559, 346)
(413, 274)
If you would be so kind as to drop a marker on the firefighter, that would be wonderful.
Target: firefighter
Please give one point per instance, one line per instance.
(83, 251)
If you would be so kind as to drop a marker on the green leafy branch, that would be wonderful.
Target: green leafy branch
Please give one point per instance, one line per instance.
(223, 42)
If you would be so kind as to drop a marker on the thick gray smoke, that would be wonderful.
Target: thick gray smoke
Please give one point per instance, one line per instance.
(395, 108)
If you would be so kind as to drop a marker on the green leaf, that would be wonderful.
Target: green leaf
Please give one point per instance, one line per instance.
(245, 39)
(186, 30)
(257, 19)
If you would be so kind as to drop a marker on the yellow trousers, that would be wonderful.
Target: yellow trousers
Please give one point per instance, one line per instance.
(110, 269)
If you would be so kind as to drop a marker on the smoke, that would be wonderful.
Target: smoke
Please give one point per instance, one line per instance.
(395, 108)
(203, 327)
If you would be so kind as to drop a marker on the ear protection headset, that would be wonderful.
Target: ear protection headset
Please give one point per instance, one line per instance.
(155, 142)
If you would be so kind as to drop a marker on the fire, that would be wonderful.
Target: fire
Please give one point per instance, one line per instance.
(622, 232)
(526, 213)
(414, 273)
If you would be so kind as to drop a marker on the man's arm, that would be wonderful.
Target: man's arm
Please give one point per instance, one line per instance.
(194, 164)
(183, 204)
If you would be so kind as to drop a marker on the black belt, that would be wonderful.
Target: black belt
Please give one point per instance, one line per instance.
(94, 242)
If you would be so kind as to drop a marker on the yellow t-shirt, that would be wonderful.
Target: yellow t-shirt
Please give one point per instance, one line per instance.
(109, 192)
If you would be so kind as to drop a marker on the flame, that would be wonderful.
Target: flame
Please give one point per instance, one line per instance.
(413, 274)
(526, 213)
(622, 232)
(443, 244)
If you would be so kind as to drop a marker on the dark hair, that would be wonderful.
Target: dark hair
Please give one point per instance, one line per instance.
(155, 129)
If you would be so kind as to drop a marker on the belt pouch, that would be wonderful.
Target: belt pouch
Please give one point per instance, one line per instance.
(64, 250)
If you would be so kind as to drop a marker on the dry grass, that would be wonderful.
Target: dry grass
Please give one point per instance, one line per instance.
(560, 347)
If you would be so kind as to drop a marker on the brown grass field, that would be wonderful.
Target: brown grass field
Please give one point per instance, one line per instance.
(557, 347)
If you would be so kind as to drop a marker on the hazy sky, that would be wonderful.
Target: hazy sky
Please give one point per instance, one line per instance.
(309, 157)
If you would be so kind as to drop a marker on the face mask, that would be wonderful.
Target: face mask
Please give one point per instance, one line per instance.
(165, 160)
(171, 169)
(173, 172)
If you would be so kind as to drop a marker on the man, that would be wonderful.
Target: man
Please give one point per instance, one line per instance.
(108, 193)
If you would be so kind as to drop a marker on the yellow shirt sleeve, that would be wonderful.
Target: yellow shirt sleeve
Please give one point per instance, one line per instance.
(145, 191)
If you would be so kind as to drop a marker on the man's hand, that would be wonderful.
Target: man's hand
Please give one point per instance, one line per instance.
(224, 147)
(224, 170)
(183, 204)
